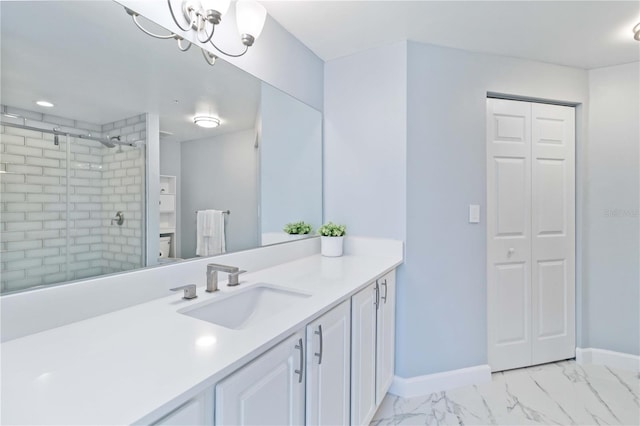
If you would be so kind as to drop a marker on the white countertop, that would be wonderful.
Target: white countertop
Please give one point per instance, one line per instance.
(135, 364)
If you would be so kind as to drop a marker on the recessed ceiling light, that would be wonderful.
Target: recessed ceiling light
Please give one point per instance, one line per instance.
(206, 121)
(636, 32)
(45, 104)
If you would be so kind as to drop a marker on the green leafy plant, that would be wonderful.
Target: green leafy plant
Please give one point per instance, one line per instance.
(297, 228)
(332, 230)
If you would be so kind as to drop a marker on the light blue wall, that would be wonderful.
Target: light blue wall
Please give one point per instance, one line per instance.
(290, 161)
(365, 142)
(612, 259)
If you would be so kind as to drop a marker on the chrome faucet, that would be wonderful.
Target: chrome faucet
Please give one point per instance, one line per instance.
(212, 275)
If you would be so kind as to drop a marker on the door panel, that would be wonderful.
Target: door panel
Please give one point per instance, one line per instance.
(510, 188)
(550, 130)
(509, 306)
(552, 299)
(553, 240)
(552, 197)
(510, 128)
(512, 293)
(508, 233)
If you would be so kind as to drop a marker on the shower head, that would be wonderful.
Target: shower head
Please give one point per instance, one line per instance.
(110, 142)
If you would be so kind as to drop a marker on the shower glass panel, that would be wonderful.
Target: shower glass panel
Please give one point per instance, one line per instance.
(71, 207)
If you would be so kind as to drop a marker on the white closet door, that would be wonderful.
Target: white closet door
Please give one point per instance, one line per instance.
(508, 233)
(530, 233)
(553, 233)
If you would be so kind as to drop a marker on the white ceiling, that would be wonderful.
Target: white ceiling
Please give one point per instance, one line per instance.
(575, 33)
(90, 60)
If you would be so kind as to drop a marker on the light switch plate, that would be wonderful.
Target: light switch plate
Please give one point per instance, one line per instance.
(474, 213)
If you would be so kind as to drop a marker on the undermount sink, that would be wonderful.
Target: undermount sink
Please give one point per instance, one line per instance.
(246, 307)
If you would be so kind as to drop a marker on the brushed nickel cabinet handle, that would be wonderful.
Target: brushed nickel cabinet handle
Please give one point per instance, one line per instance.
(319, 334)
(300, 372)
(384, 298)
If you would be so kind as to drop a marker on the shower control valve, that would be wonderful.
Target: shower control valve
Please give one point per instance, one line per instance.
(118, 220)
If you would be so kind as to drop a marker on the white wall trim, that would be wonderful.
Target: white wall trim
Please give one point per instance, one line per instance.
(609, 358)
(429, 383)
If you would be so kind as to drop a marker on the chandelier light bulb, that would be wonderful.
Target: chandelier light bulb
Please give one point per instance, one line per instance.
(250, 17)
(221, 6)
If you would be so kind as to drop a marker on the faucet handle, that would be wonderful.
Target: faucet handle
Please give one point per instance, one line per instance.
(233, 278)
(189, 291)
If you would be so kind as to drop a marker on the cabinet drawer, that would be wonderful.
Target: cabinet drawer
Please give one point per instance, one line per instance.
(167, 203)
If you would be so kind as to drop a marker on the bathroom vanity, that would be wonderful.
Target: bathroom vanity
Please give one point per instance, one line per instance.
(309, 340)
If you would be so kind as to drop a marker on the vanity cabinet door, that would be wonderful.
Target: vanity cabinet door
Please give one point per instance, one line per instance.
(267, 391)
(386, 324)
(328, 367)
(363, 355)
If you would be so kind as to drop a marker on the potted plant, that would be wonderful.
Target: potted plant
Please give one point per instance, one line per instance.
(332, 239)
(297, 229)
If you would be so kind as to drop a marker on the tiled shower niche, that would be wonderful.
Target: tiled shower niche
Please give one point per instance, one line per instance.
(58, 203)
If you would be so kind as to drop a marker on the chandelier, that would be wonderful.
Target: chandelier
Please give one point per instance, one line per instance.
(203, 16)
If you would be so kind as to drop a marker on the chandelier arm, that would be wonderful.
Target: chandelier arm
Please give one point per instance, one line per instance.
(246, 48)
(204, 29)
(209, 57)
(183, 49)
(176, 20)
(144, 30)
(209, 37)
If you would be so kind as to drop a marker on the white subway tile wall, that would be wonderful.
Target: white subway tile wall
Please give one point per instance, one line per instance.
(35, 199)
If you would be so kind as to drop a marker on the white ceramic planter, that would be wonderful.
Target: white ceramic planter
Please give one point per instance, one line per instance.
(331, 246)
(293, 237)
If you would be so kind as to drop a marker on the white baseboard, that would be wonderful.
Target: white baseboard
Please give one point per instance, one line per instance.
(429, 383)
(608, 358)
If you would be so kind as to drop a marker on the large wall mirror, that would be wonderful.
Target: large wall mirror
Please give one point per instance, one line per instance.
(116, 175)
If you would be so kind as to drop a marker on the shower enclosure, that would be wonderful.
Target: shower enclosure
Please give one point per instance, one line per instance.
(72, 198)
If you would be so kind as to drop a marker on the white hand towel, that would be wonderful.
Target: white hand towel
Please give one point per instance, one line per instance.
(210, 238)
(200, 243)
(209, 223)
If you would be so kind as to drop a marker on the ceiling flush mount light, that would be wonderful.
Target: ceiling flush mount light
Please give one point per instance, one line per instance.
(45, 104)
(206, 121)
(636, 32)
(202, 16)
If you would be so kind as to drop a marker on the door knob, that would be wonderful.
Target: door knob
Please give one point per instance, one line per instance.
(511, 251)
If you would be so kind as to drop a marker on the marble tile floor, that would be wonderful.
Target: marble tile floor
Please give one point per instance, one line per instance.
(561, 393)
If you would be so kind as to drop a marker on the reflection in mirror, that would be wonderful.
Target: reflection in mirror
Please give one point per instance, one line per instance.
(77, 177)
